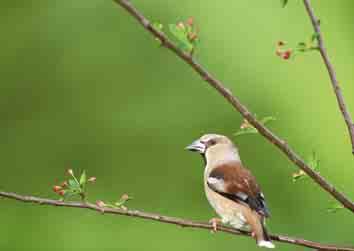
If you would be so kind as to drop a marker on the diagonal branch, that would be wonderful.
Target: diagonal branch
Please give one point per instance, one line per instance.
(235, 102)
(332, 74)
(167, 219)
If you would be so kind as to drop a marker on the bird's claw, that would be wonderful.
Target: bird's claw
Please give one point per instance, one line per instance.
(253, 234)
(214, 222)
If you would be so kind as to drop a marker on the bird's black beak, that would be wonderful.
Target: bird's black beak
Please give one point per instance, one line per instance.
(197, 146)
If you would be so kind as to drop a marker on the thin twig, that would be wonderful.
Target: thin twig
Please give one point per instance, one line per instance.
(332, 74)
(235, 102)
(167, 219)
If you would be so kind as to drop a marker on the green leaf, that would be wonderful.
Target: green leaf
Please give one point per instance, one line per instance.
(301, 46)
(334, 208)
(283, 3)
(314, 162)
(182, 37)
(315, 36)
(177, 32)
(247, 128)
(73, 184)
(157, 25)
(314, 48)
(119, 203)
(267, 119)
(83, 178)
(250, 130)
(298, 175)
(66, 195)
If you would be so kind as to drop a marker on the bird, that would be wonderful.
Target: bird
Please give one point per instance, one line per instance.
(231, 189)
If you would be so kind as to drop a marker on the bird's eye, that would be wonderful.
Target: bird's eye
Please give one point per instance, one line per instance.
(211, 142)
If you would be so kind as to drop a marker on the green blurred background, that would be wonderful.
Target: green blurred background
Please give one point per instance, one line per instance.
(84, 86)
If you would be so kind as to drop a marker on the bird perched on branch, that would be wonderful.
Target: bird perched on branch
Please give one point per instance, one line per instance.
(231, 189)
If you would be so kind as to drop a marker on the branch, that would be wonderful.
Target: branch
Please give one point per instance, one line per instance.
(235, 102)
(332, 74)
(167, 219)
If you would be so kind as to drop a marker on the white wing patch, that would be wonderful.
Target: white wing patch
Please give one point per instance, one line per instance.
(242, 195)
(217, 184)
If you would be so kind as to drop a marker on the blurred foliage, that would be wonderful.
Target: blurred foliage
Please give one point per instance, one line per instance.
(82, 85)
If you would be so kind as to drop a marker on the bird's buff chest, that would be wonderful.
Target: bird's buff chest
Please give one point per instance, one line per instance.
(230, 212)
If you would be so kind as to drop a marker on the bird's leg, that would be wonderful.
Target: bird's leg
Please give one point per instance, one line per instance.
(214, 222)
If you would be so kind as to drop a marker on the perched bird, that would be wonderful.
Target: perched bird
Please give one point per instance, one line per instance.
(231, 189)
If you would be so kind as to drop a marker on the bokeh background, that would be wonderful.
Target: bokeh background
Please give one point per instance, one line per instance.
(83, 86)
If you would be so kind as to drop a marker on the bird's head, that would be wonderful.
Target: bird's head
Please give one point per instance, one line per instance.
(215, 147)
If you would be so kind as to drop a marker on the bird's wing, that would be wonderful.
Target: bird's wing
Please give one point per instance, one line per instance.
(238, 184)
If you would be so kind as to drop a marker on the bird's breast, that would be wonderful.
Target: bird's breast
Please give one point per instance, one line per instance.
(229, 211)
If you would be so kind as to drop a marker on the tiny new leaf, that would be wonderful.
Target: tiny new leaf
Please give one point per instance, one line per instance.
(315, 36)
(298, 175)
(313, 162)
(157, 25)
(83, 178)
(250, 130)
(182, 37)
(267, 119)
(301, 46)
(284, 3)
(247, 128)
(334, 208)
(73, 183)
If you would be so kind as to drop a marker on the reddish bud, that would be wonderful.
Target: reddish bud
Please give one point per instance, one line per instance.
(190, 21)
(286, 55)
(100, 203)
(92, 179)
(192, 36)
(64, 184)
(125, 197)
(61, 192)
(70, 172)
(57, 188)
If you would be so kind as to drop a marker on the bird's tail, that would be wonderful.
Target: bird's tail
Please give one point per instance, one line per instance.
(265, 241)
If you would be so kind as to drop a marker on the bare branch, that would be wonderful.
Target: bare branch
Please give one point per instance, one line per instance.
(235, 102)
(332, 74)
(167, 219)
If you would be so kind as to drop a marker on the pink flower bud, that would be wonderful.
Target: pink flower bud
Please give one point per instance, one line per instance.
(62, 192)
(125, 197)
(57, 189)
(92, 179)
(64, 184)
(190, 21)
(287, 54)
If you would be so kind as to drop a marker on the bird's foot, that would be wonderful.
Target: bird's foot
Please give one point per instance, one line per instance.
(253, 234)
(214, 222)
